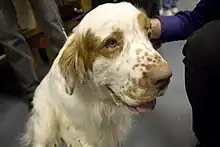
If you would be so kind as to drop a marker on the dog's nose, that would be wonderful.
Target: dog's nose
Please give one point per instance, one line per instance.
(160, 76)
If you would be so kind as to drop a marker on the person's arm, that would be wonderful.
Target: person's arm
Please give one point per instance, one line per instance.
(183, 24)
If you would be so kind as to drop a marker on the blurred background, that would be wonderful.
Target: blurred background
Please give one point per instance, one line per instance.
(169, 125)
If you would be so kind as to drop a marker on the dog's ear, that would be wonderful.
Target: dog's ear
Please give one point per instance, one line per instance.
(71, 63)
(76, 61)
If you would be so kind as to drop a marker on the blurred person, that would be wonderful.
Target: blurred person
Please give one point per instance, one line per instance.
(201, 28)
(169, 7)
(152, 7)
(16, 48)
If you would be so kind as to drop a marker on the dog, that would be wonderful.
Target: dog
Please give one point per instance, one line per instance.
(106, 72)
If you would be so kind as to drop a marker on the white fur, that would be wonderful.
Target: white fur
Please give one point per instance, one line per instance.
(90, 117)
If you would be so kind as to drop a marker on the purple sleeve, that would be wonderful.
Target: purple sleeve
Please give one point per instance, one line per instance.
(183, 24)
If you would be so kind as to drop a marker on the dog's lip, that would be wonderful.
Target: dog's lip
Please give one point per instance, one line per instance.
(142, 108)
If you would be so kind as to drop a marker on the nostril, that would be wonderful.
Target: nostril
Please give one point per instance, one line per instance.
(160, 77)
(159, 81)
(162, 83)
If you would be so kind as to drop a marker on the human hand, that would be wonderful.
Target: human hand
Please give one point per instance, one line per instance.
(156, 28)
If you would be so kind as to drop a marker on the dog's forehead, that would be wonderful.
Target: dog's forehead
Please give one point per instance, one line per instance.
(110, 15)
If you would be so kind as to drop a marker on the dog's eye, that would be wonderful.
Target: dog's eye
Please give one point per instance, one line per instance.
(111, 43)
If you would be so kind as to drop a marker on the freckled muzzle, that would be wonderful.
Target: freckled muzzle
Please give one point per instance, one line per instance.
(147, 79)
(151, 78)
(152, 81)
(145, 89)
(151, 74)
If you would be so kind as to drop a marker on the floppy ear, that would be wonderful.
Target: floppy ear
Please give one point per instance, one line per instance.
(72, 63)
(77, 58)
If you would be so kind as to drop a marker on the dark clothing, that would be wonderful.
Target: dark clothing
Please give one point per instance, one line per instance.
(183, 24)
(48, 14)
(16, 48)
(202, 60)
(152, 7)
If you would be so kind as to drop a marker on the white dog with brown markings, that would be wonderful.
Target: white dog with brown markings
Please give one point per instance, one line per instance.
(106, 72)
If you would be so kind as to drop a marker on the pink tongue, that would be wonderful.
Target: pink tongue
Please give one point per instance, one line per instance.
(145, 107)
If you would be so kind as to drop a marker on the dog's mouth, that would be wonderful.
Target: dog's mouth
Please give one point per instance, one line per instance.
(145, 106)
(142, 108)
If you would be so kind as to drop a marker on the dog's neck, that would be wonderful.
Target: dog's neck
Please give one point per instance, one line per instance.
(105, 117)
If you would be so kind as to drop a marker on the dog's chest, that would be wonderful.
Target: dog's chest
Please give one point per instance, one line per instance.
(96, 120)
(110, 132)
(103, 128)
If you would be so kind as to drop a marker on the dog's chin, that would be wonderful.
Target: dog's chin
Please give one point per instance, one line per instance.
(140, 108)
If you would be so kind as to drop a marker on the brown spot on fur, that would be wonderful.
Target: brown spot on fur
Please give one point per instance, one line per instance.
(130, 91)
(149, 66)
(133, 81)
(138, 51)
(144, 23)
(142, 82)
(135, 66)
(158, 59)
(142, 64)
(149, 59)
(139, 59)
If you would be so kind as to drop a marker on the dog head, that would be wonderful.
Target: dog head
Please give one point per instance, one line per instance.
(112, 46)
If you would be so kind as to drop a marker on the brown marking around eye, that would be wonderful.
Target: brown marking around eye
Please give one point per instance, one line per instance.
(84, 49)
(118, 35)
